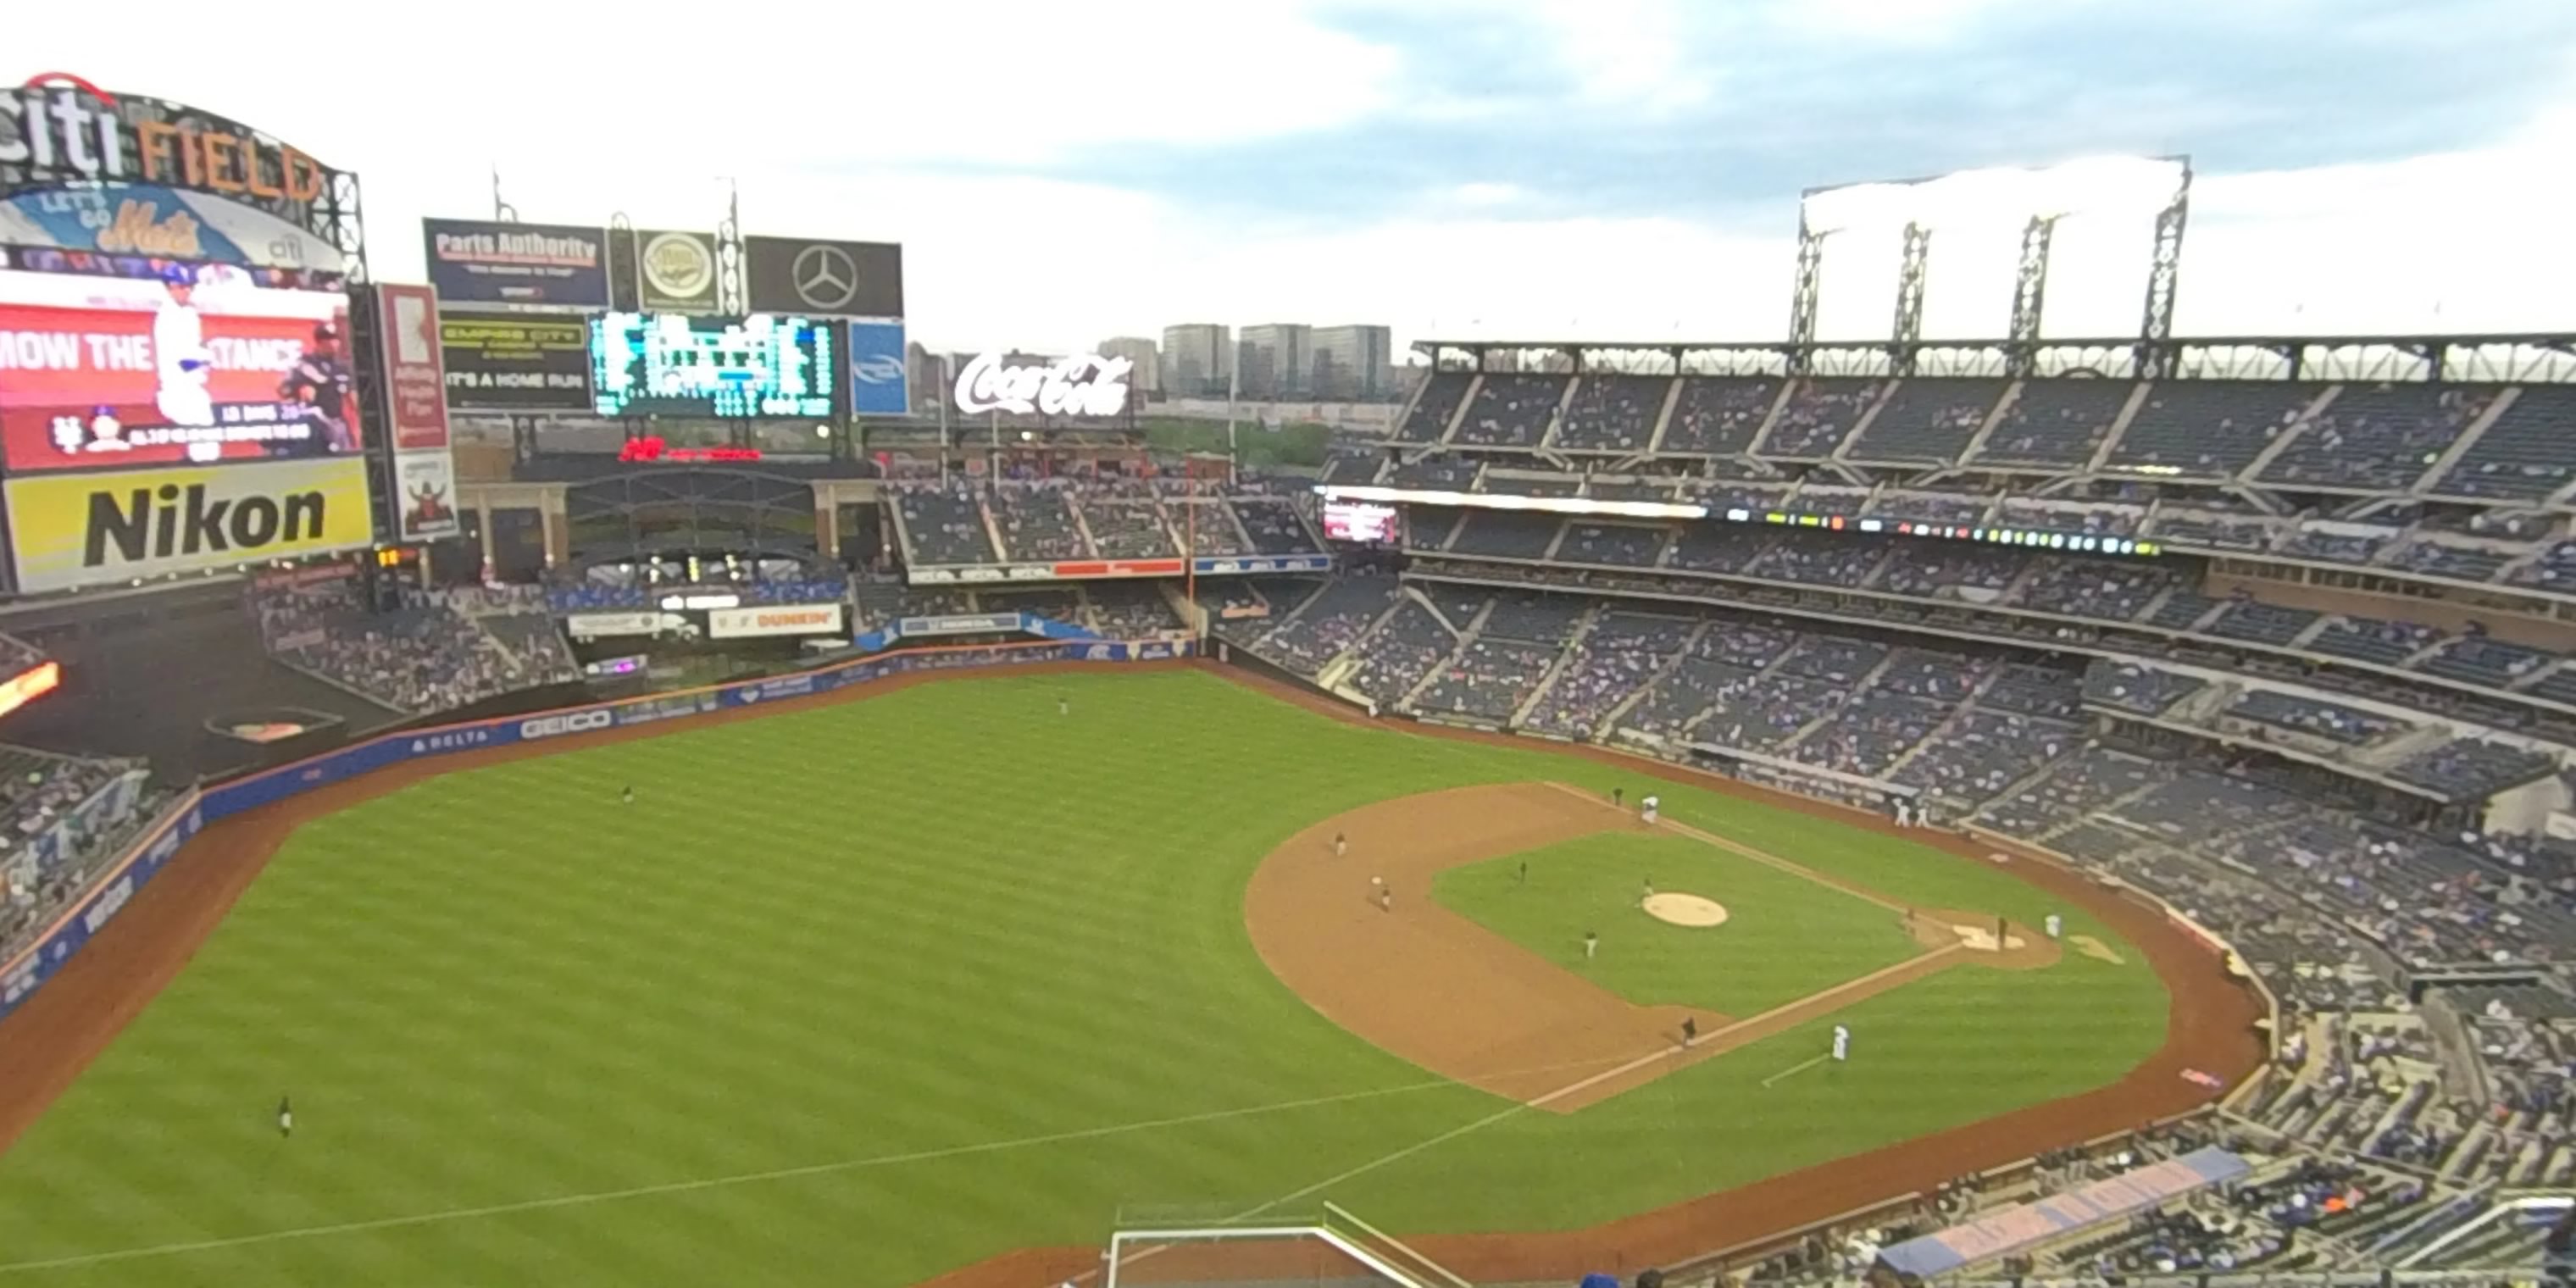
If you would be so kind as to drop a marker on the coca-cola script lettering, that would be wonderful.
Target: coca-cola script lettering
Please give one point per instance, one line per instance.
(1089, 385)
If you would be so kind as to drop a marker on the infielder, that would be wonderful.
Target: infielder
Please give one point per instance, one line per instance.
(1842, 1044)
(1618, 798)
(1386, 898)
(1591, 944)
(1651, 804)
(2055, 925)
(1341, 845)
(1690, 1029)
(285, 1118)
(1649, 890)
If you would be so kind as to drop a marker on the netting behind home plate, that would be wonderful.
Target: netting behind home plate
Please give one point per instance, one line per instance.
(1329, 1249)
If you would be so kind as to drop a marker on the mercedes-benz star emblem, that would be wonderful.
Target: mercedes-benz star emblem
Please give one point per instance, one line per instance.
(825, 277)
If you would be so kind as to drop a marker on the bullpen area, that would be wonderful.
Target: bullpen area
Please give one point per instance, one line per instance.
(930, 979)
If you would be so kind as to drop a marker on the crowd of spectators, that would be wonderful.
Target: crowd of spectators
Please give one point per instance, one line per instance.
(61, 817)
(1125, 518)
(427, 653)
(943, 523)
(1036, 522)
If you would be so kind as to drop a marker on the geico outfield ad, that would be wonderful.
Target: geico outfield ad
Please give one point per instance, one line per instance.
(81, 530)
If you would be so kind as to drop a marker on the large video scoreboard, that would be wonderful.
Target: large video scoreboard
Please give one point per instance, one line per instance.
(667, 364)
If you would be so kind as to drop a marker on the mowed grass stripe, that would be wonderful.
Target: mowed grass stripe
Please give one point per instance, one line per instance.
(942, 918)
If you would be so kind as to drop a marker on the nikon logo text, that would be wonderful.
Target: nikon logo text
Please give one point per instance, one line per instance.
(158, 523)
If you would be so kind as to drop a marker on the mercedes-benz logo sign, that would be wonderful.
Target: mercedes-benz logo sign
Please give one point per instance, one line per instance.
(825, 276)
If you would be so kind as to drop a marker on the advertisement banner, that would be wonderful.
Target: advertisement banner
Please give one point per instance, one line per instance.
(415, 373)
(68, 131)
(28, 685)
(877, 370)
(199, 364)
(829, 278)
(675, 272)
(778, 619)
(959, 624)
(516, 363)
(483, 263)
(426, 486)
(161, 223)
(593, 626)
(84, 529)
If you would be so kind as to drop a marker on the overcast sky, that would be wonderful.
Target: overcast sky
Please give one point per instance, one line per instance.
(1587, 169)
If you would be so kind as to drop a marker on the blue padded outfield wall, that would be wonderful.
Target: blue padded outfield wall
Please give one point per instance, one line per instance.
(166, 841)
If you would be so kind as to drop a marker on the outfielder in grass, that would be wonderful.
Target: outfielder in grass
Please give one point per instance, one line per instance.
(285, 1118)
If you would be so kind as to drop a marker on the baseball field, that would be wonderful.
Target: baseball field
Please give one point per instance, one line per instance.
(933, 981)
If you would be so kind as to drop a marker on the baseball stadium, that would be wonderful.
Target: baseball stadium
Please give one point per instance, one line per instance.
(611, 766)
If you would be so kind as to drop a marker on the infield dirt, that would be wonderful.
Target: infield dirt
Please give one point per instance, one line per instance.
(1478, 1008)
(56, 1034)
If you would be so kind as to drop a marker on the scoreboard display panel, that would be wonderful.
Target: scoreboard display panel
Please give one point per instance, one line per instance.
(764, 365)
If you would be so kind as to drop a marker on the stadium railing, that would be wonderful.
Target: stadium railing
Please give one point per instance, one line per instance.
(161, 844)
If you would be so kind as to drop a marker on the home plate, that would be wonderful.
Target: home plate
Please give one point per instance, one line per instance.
(1686, 910)
(1980, 939)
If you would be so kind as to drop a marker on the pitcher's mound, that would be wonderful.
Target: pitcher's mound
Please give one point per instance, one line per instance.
(1686, 910)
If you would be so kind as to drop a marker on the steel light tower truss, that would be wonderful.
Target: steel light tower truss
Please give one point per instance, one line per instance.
(1905, 336)
(2030, 294)
(1802, 300)
(2156, 349)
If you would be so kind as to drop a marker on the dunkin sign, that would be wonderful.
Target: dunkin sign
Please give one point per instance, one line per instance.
(781, 619)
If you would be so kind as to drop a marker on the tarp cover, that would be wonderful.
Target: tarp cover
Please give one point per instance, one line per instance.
(2009, 1230)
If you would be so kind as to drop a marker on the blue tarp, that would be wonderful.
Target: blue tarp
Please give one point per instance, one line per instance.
(2009, 1230)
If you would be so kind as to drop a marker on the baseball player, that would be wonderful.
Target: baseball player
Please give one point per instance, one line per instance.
(1386, 898)
(1651, 805)
(179, 347)
(1524, 876)
(1591, 944)
(1064, 706)
(1690, 1029)
(1618, 798)
(1341, 845)
(2056, 925)
(285, 1118)
(1648, 892)
(1904, 815)
(627, 796)
(1842, 1043)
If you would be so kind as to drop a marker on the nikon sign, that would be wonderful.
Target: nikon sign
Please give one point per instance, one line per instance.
(88, 529)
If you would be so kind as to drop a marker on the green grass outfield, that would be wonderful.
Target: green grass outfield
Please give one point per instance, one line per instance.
(855, 995)
(1785, 937)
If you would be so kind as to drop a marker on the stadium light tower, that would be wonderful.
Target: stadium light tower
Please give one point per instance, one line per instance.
(2037, 198)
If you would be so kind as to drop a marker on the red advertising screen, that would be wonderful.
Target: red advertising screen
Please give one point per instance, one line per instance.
(1357, 521)
(199, 366)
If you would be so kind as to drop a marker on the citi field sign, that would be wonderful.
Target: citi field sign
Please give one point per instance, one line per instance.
(61, 128)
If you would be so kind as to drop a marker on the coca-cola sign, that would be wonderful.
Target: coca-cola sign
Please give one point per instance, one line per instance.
(1087, 385)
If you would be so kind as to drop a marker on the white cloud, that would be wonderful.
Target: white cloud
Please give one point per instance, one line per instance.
(880, 103)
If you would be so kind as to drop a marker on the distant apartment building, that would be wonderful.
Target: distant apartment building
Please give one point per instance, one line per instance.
(1147, 379)
(1352, 364)
(1274, 361)
(1198, 359)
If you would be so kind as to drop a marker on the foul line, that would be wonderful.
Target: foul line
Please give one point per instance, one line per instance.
(1747, 851)
(1800, 1067)
(710, 1183)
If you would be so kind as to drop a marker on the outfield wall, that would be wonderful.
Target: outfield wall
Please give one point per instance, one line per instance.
(165, 841)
